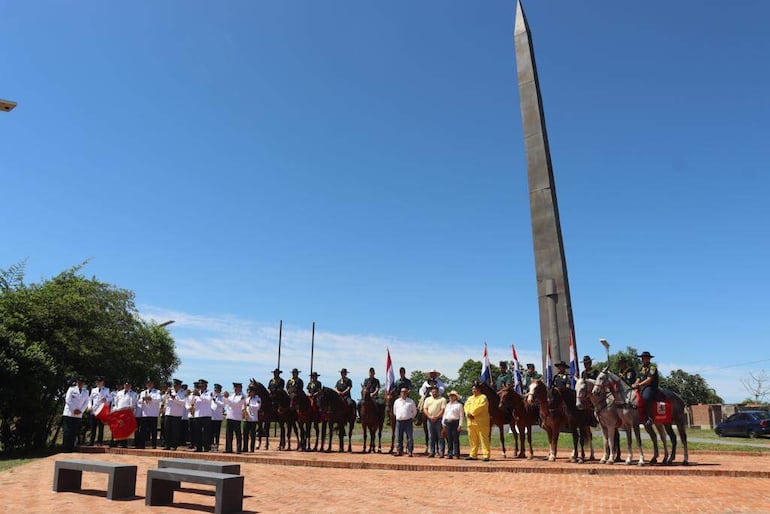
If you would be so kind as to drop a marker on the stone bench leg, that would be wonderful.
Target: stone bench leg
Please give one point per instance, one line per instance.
(122, 484)
(67, 479)
(229, 496)
(159, 491)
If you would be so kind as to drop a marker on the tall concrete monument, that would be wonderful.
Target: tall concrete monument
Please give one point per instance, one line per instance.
(556, 324)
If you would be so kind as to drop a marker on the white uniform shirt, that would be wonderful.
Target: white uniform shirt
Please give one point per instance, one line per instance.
(189, 406)
(453, 412)
(124, 400)
(175, 403)
(253, 405)
(203, 404)
(75, 400)
(234, 406)
(217, 407)
(149, 401)
(97, 395)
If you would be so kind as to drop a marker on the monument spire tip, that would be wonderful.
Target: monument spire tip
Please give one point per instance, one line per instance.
(521, 21)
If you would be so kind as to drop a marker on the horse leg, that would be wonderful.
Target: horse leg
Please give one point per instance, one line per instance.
(664, 440)
(554, 440)
(529, 442)
(672, 437)
(363, 450)
(501, 429)
(608, 444)
(351, 425)
(683, 436)
(392, 433)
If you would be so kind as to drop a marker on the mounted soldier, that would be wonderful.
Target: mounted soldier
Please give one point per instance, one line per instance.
(294, 386)
(276, 382)
(561, 378)
(648, 384)
(343, 387)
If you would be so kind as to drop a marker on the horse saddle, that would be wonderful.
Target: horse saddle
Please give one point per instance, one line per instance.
(663, 412)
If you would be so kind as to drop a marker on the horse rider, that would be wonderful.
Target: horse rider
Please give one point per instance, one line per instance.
(505, 377)
(293, 386)
(343, 387)
(372, 384)
(589, 372)
(314, 389)
(648, 383)
(627, 372)
(402, 382)
(276, 382)
(561, 378)
(432, 380)
(530, 376)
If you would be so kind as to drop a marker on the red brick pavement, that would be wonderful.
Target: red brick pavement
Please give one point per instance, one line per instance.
(292, 482)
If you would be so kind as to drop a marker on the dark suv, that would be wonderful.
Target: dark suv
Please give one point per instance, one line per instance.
(751, 423)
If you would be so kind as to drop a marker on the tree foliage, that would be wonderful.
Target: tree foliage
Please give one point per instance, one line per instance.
(692, 388)
(62, 327)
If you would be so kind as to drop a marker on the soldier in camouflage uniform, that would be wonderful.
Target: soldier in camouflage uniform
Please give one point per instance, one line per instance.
(343, 387)
(314, 389)
(561, 378)
(293, 386)
(276, 383)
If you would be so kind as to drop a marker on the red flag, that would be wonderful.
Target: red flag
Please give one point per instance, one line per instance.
(390, 377)
(102, 413)
(122, 424)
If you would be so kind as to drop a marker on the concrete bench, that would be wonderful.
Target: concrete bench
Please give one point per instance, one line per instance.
(162, 482)
(228, 468)
(68, 476)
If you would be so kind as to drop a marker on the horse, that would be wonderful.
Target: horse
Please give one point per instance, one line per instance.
(627, 398)
(390, 398)
(286, 417)
(267, 413)
(497, 417)
(610, 418)
(308, 416)
(372, 420)
(558, 410)
(523, 416)
(339, 414)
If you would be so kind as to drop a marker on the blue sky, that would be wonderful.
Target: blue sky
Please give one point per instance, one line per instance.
(361, 164)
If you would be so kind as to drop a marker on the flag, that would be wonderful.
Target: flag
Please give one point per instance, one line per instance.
(517, 382)
(486, 373)
(548, 368)
(574, 368)
(122, 424)
(390, 377)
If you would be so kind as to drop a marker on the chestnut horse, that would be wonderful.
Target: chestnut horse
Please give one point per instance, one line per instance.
(372, 419)
(339, 415)
(558, 410)
(497, 416)
(390, 398)
(524, 417)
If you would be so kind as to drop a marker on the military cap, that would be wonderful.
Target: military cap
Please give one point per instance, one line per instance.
(344, 370)
(276, 370)
(314, 374)
(203, 381)
(587, 358)
(237, 384)
(561, 364)
(217, 386)
(646, 354)
(295, 370)
(177, 382)
(530, 365)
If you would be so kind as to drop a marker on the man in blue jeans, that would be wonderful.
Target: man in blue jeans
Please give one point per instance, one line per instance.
(404, 410)
(433, 410)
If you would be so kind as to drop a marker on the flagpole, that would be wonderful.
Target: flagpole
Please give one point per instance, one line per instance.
(280, 332)
(312, 347)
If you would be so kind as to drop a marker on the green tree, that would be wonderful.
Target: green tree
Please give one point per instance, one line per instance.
(692, 388)
(469, 372)
(61, 327)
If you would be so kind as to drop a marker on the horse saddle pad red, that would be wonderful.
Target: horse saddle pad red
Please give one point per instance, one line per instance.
(663, 411)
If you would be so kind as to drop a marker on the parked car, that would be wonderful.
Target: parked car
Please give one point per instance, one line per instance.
(749, 423)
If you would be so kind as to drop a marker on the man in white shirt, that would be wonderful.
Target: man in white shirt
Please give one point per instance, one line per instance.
(174, 400)
(234, 412)
(100, 399)
(149, 401)
(217, 415)
(75, 402)
(203, 416)
(404, 410)
(125, 399)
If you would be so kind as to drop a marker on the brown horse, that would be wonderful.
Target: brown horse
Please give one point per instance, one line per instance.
(497, 417)
(308, 417)
(524, 417)
(558, 410)
(286, 417)
(390, 398)
(372, 419)
(339, 415)
(267, 414)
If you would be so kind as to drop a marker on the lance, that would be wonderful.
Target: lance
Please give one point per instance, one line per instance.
(606, 347)
(280, 332)
(312, 347)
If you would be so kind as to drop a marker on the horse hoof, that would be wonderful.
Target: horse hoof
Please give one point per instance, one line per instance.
(551, 458)
(602, 461)
(685, 463)
(611, 461)
(653, 460)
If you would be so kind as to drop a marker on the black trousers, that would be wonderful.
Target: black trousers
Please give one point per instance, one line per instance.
(171, 429)
(148, 429)
(71, 427)
(195, 433)
(97, 427)
(250, 433)
(184, 431)
(233, 428)
(216, 428)
(204, 434)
